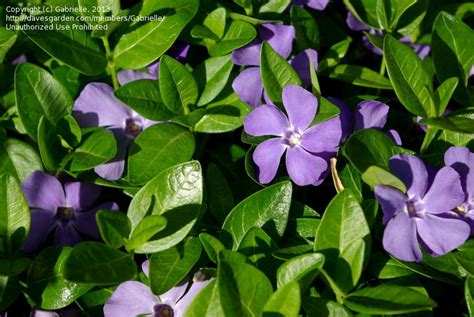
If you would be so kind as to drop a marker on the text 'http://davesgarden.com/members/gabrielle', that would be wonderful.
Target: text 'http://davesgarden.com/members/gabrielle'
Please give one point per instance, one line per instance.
(64, 18)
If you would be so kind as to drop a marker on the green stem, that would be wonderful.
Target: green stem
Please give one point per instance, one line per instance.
(110, 62)
(382, 66)
(332, 284)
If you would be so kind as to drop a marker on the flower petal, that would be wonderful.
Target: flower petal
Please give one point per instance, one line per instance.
(345, 116)
(248, 86)
(323, 137)
(301, 64)
(462, 160)
(248, 55)
(370, 114)
(442, 235)
(395, 136)
(126, 76)
(267, 157)
(300, 105)
(184, 302)
(42, 221)
(146, 267)
(43, 313)
(130, 299)
(412, 172)
(305, 168)
(97, 106)
(81, 195)
(172, 296)
(66, 235)
(113, 169)
(178, 51)
(43, 191)
(445, 193)
(85, 220)
(317, 4)
(392, 201)
(279, 36)
(354, 24)
(266, 120)
(400, 239)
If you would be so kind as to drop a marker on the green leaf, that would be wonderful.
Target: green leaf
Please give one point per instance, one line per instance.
(411, 82)
(469, 295)
(178, 87)
(49, 145)
(169, 267)
(452, 43)
(97, 148)
(453, 123)
(176, 194)
(144, 97)
(239, 34)
(274, 6)
(375, 175)
(212, 76)
(223, 116)
(14, 216)
(307, 31)
(220, 197)
(10, 288)
(148, 41)
(276, 73)
(360, 76)
(303, 269)
(95, 263)
(39, 94)
(335, 54)
(14, 266)
(71, 45)
(46, 284)
(351, 179)
(114, 227)
(465, 257)
(369, 147)
(7, 39)
(69, 131)
(286, 301)
(326, 110)
(157, 148)
(211, 245)
(388, 300)
(215, 22)
(364, 10)
(257, 245)
(237, 296)
(206, 303)
(344, 238)
(145, 230)
(320, 307)
(269, 204)
(443, 94)
(18, 159)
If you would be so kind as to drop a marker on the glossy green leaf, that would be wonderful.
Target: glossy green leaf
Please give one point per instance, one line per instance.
(276, 73)
(157, 148)
(443, 94)
(96, 263)
(49, 145)
(286, 301)
(335, 54)
(360, 76)
(71, 45)
(215, 22)
(46, 284)
(14, 266)
(148, 41)
(205, 303)
(469, 295)
(178, 87)
(411, 82)
(114, 227)
(344, 238)
(271, 204)
(211, 245)
(169, 267)
(212, 76)
(145, 230)
(452, 43)
(239, 33)
(326, 110)
(39, 94)
(7, 39)
(257, 245)
(14, 216)
(220, 198)
(274, 6)
(18, 159)
(320, 307)
(465, 257)
(144, 97)
(303, 269)
(453, 123)
(307, 31)
(375, 175)
(10, 288)
(388, 300)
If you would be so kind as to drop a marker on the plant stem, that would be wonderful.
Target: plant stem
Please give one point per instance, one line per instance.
(336, 290)
(110, 62)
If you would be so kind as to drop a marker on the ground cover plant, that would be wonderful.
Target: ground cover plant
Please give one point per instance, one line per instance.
(236, 158)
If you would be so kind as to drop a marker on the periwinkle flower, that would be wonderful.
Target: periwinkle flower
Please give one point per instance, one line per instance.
(64, 210)
(462, 160)
(313, 4)
(307, 148)
(248, 84)
(134, 298)
(355, 25)
(423, 214)
(97, 106)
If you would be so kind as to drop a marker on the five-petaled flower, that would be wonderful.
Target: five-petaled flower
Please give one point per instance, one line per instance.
(63, 209)
(462, 160)
(308, 149)
(423, 214)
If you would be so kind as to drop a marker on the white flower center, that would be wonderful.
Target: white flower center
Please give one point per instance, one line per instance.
(294, 139)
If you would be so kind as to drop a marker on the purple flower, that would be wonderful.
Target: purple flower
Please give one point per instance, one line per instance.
(462, 160)
(133, 298)
(422, 214)
(368, 114)
(178, 51)
(97, 106)
(307, 148)
(63, 209)
(355, 25)
(248, 84)
(314, 4)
